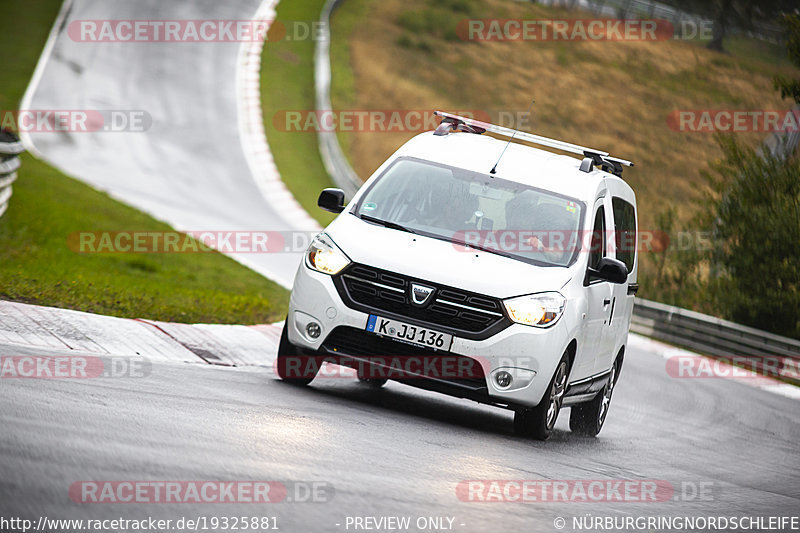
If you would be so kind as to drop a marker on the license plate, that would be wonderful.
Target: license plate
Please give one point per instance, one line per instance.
(416, 335)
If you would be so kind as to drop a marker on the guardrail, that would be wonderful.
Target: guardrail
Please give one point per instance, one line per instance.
(783, 144)
(652, 9)
(333, 158)
(10, 148)
(626, 9)
(708, 335)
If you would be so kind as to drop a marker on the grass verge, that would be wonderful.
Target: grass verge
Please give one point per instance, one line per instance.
(36, 265)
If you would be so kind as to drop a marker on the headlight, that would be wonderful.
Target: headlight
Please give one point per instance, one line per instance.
(324, 256)
(541, 310)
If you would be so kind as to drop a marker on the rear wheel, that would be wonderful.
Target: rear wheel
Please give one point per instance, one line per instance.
(539, 421)
(587, 419)
(291, 366)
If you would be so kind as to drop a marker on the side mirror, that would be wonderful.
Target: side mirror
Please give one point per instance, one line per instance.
(331, 200)
(609, 269)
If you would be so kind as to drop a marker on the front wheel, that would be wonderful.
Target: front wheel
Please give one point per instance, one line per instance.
(587, 419)
(539, 421)
(291, 366)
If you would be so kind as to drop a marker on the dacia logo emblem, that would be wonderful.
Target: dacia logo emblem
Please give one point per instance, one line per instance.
(420, 294)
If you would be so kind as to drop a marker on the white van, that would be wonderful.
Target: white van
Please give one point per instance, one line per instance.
(479, 268)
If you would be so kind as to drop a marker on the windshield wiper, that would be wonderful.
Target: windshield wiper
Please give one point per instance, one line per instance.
(500, 253)
(386, 223)
(481, 248)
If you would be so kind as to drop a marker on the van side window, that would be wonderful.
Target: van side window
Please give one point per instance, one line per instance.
(598, 246)
(625, 229)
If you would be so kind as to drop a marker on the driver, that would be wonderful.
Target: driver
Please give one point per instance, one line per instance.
(550, 223)
(450, 208)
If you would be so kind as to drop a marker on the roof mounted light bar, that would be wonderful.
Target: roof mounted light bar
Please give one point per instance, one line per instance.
(592, 157)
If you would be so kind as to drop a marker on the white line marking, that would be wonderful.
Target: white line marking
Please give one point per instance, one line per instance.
(25, 137)
(667, 351)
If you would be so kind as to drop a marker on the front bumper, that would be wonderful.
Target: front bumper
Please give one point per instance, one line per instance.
(529, 354)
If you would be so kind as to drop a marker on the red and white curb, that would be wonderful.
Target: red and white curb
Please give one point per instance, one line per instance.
(64, 329)
(251, 129)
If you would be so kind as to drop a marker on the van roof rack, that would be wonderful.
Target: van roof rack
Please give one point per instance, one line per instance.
(591, 158)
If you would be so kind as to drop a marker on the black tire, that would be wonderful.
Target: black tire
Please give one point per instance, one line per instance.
(285, 365)
(587, 419)
(539, 421)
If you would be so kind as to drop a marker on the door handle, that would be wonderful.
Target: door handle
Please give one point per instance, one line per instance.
(611, 315)
(606, 302)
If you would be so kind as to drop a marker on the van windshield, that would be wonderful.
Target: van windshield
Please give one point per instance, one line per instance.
(477, 210)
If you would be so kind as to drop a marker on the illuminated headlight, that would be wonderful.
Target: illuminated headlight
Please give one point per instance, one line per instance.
(324, 256)
(541, 310)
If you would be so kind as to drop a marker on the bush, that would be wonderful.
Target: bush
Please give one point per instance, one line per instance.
(754, 217)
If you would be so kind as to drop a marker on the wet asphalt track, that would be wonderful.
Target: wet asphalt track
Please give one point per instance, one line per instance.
(393, 452)
(396, 451)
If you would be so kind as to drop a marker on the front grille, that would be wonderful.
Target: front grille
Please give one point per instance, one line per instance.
(453, 310)
(356, 342)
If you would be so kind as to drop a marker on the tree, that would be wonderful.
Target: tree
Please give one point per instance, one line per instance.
(791, 88)
(728, 14)
(754, 217)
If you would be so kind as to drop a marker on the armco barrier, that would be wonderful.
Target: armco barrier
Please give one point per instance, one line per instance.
(714, 336)
(333, 158)
(783, 144)
(10, 148)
